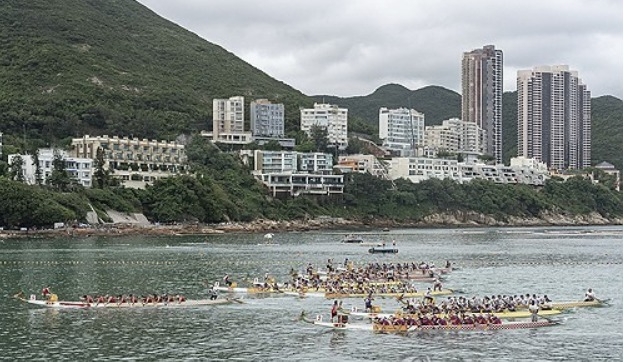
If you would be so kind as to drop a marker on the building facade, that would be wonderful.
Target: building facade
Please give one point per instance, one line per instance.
(228, 121)
(554, 117)
(79, 169)
(134, 162)
(456, 136)
(266, 118)
(330, 117)
(401, 129)
(417, 169)
(482, 95)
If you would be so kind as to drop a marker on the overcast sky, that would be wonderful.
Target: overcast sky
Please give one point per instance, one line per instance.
(351, 47)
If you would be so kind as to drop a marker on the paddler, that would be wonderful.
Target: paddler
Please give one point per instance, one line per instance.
(368, 303)
(589, 295)
(226, 280)
(334, 310)
(534, 309)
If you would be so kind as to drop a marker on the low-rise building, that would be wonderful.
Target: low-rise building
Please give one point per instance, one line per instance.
(79, 169)
(362, 164)
(134, 162)
(417, 169)
(294, 173)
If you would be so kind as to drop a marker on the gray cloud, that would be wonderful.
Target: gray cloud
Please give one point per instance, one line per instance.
(351, 47)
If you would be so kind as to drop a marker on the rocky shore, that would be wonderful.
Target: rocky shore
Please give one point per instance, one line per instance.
(442, 220)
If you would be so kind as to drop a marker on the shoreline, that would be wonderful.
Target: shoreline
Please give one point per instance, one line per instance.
(444, 221)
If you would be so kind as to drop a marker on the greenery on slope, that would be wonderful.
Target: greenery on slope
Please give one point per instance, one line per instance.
(74, 67)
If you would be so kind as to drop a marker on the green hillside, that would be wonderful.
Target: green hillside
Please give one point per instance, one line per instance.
(437, 103)
(71, 67)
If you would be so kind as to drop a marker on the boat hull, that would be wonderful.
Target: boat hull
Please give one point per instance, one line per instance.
(83, 305)
(501, 315)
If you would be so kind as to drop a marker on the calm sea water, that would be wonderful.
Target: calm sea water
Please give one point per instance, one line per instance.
(560, 262)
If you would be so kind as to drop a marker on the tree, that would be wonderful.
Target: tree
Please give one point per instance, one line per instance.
(319, 135)
(38, 175)
(101, 176)
(272, 145)
(16, 168)
(59, 178)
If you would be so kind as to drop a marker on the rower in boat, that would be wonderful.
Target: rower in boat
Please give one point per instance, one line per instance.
(226, 280)
(590, 296)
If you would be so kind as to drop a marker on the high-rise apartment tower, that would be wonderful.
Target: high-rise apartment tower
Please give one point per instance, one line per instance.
(554, 117)
(482, 95)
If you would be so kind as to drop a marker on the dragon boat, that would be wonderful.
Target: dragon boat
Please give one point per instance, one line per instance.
(391, 295)
(574, 304)
(255, 289)
(60, 304)
(502, 315)
(343, 323)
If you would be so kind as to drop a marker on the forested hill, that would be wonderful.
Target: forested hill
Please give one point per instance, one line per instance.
(70, 67)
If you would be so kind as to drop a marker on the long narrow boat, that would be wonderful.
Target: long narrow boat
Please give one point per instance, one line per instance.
(502, 315)
(380, 328)
(256, 289)
(392, 295)
(578, 304)
(60, 304)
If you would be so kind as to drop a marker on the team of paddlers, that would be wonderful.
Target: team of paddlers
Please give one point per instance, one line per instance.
(486, 304)
(123, 298)
(133, 299)
(370, 278)
(433, 320)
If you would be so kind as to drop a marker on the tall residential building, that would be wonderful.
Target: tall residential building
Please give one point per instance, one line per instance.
(401, 129)
(554, 117)
(266, 118)
(482, 95)
(330, 117)
(228, 121)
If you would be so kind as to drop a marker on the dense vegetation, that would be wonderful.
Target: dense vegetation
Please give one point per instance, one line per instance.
(222, 189)
(75, 67)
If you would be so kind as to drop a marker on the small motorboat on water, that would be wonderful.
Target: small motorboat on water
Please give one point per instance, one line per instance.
(383, 250)
(268, 239)
(352, 239)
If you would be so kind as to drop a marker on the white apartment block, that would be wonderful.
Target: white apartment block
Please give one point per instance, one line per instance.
(274, 161)
(330, 117)
(292, 161)
(417, 169)
(79, 169)
(266, 118)
(295, 173)
(554, 117)
(228, 121)
(482, 95)
(135, 162)
(457, 136)
(0, 143)
(402, 130)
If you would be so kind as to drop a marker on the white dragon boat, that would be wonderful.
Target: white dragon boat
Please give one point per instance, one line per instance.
(502, 315)
(61, 304)
(343, 323)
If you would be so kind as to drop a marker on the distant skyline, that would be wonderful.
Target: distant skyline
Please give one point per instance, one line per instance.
(352, 47)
